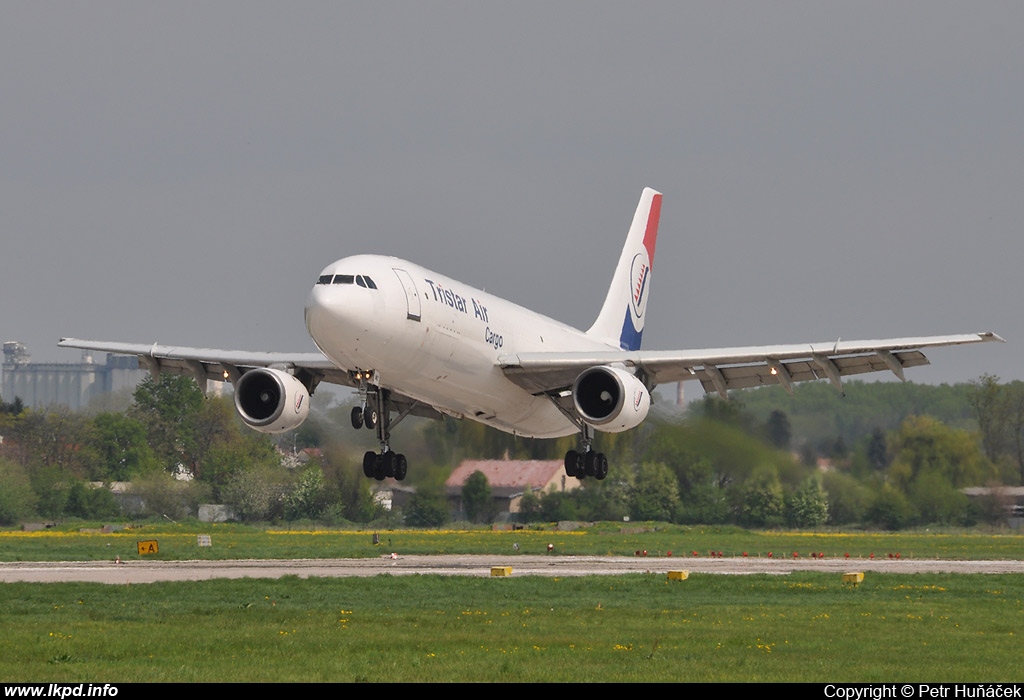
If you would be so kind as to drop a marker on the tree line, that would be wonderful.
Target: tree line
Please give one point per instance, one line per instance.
(178, 449)
(885, 455)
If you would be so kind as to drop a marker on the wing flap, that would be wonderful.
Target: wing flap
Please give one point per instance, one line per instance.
(755, 375)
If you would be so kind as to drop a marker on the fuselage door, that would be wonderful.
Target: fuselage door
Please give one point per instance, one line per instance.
(412, 297)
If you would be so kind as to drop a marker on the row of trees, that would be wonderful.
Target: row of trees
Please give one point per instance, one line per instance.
(726, 462)
(707, 473)
(999, 411)
(178, 449)
(831, 423)
(651, 492)
(723, 464)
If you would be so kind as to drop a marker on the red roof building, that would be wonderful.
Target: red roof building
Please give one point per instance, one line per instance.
(509, 480)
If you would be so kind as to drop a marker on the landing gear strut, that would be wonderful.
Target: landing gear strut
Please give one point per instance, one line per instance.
(583, 462)
(375, 414)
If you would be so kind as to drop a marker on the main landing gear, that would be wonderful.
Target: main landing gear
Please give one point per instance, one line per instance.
(586, 462)
(581, 464)
(381, 466)
(375, 414)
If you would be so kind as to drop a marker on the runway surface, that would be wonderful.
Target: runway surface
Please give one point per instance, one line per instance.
(469, 565)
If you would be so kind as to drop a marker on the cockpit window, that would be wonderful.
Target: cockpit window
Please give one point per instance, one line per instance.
(361, 280)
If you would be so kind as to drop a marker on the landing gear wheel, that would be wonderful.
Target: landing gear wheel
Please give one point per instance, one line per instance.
(573, 463)
(369, 464)
(588, 463)
(388, 458)
(370, 417)
(378, 468)
(600, 466)
(401, 467)
(357, 417)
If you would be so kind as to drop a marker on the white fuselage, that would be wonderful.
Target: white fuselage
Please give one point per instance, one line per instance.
(437, 340)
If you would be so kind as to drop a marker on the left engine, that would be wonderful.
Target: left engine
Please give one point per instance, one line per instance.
(610, 399)
(271, 401)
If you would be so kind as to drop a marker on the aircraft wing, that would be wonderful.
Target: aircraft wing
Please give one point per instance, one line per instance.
(204, 364)
(724, 369)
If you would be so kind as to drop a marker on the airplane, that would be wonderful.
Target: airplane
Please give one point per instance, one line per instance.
(415, 342)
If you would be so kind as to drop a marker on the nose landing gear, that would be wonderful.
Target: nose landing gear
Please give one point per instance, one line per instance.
(375, 414)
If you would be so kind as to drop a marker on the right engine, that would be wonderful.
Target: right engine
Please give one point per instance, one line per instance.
(271, 401)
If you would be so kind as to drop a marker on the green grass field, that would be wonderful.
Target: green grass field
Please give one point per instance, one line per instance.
(178, 542)
(802, 627)
(799, 627)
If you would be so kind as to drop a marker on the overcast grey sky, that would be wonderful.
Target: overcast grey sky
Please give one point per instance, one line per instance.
(181, 172)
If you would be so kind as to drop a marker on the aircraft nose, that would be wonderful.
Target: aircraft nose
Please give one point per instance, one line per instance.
(333, 309)
(319, 315)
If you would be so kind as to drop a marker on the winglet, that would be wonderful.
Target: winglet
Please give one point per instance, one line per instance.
(621, 321)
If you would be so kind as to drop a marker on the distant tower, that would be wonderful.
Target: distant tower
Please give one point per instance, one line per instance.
(680, 401)
(15, 354)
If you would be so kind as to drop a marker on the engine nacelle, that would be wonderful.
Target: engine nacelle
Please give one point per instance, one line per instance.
(610, 399)
(271, 401)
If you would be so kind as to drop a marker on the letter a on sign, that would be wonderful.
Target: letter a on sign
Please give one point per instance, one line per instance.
(148, 547)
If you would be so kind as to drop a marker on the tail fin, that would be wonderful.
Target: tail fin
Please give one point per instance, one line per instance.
(621, 321)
